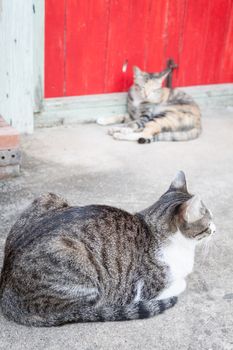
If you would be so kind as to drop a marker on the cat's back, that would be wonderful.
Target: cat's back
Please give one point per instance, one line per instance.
(80, 222)
(134, 101)
(180, 97)
(105, 242)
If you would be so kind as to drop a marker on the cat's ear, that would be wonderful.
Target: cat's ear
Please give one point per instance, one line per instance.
(192, 210)
(163, 76)
(179, 182)
(138, 76)
(137, 71)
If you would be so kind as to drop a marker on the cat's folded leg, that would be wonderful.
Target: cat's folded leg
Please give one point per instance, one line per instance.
(175, 289)
(133, 135)
(117, 128)
(120, 129)
(112, 119)
(125, 129)
(152, 129)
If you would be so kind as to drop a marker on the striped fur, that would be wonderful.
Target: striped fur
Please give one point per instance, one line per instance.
(94, 263)
(74, 312)
(172, 136)
(157, 113)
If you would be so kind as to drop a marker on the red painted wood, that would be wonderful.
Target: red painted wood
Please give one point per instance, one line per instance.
(87, 42)
(174, 34)
(156, 35)
(86, 34)
(54, 47)
(137, 42)
(226, 67)
(193, 42)
(116, 45)
(217, 27)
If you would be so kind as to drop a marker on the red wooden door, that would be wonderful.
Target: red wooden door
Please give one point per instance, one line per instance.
(87, 42)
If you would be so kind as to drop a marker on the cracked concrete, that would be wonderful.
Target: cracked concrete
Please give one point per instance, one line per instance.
(86, 166)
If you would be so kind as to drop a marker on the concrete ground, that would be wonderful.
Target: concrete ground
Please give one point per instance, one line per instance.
(86, 166)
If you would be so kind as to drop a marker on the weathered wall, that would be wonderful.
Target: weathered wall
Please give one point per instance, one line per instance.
(16, 63)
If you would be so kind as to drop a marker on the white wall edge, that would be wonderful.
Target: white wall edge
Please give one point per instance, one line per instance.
(16, 63)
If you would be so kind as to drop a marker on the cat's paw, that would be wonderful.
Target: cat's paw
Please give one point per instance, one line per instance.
(118, 136)
(126, 130)
(114, 129)
(103, 121)
(120, 129)
(126, 137)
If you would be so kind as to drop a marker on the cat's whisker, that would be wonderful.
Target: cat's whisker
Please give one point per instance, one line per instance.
(206, 247)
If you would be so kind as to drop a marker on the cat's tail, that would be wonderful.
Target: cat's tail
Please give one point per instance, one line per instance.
(172, 136)
(81, 313)
(136, 310)
(133, 311)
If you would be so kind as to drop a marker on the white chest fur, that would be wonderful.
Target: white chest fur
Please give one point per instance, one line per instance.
(178, 254)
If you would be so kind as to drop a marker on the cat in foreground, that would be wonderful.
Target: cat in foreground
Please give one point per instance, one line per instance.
(98, 263)
(156, 113)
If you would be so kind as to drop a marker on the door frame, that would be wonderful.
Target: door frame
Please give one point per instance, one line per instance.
(38, 53)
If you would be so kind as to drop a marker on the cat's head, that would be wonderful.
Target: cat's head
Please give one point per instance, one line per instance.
(149, 84)
(193, 219)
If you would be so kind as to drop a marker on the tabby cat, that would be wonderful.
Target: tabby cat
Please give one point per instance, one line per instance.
(99, 263)
(156, 113)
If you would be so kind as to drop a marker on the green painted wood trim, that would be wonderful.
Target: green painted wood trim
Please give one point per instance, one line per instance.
(86, 109)
(38, 8)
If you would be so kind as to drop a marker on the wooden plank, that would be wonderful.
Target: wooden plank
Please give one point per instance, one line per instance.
(86, 36)
(156, 35)
(54, 47)
(80, 109)
(211, 58)
(193, 43)
(38, 52)
(136, 40)
(174, 34)
(226, 67)
(16, 63)
(116, 54)
(73, 102)
(88, 42)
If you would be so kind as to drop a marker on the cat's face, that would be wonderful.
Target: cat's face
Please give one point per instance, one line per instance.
(193, 218)
(195, 221)
(149, 84)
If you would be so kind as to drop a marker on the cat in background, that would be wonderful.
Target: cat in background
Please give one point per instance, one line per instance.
(156, 113)
(99, 263)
